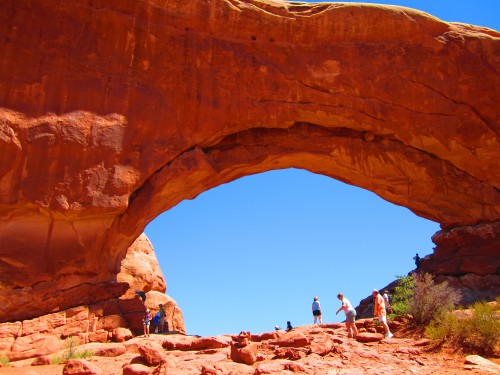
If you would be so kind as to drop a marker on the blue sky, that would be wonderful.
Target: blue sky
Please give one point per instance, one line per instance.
(253, 253)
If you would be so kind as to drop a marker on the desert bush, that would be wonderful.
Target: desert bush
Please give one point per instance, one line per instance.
(422, 298)
(431, 300)
(4, 360)
(70, 352)
(478, 333)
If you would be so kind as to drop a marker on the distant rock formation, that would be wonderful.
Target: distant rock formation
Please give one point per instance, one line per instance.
(118, 111)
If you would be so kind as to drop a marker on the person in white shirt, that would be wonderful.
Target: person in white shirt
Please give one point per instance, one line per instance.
(387, 302)
(350, 316)
(316, 309)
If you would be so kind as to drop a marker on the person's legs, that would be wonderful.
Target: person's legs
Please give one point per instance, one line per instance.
(348, 328)
(144, 329)
(383, 320)
(161, 322)
(354, 329)
(320, 319)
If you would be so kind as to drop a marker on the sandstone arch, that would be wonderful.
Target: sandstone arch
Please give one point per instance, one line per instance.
(113, 112)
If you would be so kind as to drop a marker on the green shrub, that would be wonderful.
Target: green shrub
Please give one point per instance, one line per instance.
(70, 352)
(4, 360)
(442, 329)
(402, 295)
(83, 354)
(478, 333)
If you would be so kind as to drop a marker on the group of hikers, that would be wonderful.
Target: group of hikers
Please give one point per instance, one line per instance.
(158, 320)
(381, 305)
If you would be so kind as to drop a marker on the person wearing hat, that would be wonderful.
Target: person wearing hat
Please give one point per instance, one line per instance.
(380, 313)
(163, 314)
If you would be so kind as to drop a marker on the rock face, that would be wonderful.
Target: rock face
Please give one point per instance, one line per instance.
(97, 322)
(120, 110)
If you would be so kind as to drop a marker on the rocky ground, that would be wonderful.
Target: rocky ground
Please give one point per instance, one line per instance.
(322, 350)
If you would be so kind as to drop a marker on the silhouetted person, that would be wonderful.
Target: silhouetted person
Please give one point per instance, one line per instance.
(416, 258)
(141, 295)
(288, 326)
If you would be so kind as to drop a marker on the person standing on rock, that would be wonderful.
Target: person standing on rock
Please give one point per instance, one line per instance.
(316, 310)
(416, 258)
(350, 316)
(163, 314)
(387, 302)
(147, 321)
(380, 313)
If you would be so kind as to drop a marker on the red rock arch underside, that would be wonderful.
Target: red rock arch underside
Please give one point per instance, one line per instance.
(112, 112)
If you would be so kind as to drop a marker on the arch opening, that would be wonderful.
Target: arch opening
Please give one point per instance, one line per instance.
(251, 254)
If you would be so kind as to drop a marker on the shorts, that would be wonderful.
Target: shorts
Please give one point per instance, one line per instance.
(162, 321)
(317, 312)
(147, 323)
(350, 316)
(382, 319)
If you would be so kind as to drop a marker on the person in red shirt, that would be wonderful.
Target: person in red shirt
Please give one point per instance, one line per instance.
(379, 312)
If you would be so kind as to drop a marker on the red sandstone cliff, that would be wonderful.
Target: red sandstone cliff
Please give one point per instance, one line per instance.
(112, 112)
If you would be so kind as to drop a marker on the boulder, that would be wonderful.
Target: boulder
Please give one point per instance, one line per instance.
(322, 344)
(80, 367)
(122, 334)
(247, 354)
(291, 339)
(153, 353)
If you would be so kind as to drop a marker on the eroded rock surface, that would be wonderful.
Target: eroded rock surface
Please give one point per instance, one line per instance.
(120, 110)
(325, 350)
(116, 319)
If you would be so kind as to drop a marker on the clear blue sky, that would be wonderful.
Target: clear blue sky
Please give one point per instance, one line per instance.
(253, 253)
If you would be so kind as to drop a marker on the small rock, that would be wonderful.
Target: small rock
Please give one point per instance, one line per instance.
(209, 370)
(482, 364)
(136, 369)
(44, 360)
(423, 342)
(369, 337)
